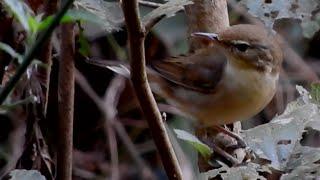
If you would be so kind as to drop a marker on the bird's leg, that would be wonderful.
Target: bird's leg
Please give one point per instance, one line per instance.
(224, 154)
(209, 137)
(240, 141)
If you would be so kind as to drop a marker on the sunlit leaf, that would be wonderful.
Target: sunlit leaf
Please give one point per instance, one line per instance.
(304, 10)
(202, 148)
(303, 172)
(6, 48)
(20, 10)
(22, 174)
(248, 171)
(33, 24)
(107, 14)
(168, 9)
(279, 140)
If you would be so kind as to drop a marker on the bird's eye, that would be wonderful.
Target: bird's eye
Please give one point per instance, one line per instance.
(242, 47)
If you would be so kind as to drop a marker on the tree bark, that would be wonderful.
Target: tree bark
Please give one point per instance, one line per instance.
(66, 103)
(136, 34)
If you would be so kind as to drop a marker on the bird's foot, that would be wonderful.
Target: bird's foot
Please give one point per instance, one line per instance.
(240, 141)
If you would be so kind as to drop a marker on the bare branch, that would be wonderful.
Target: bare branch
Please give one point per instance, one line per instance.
(152, 22)
(66, 103)
(149, 4)
(136, 34)
(45, 56)
(118, 127)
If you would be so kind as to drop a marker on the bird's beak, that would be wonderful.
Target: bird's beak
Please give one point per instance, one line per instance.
(208, 36)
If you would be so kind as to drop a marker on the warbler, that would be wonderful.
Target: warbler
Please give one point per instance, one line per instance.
(233, 79)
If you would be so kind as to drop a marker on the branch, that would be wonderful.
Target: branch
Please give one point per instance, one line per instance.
(149, 24)
(149, 4)
(27, 59)
(45, 57)
(118, 127)
(136, 34)
(66, 103)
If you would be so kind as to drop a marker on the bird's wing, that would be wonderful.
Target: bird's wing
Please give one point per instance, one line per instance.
(200, 71)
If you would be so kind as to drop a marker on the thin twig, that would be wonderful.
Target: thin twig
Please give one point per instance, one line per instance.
(111, 100)
(45, 57)
(118, 127)
(27, 59)
(113, 153)
(149, 24)
(136, 34)
(66, 103)
(149, 4)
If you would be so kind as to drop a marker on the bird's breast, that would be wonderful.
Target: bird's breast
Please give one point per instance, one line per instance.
(240, 95)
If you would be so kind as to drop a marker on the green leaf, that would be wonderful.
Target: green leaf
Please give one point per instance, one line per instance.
(81, 15)
(84, 48)
(33, 24)
(315, 92)
(202, 148)
(20, 11)
(45, 23)
(6, 48)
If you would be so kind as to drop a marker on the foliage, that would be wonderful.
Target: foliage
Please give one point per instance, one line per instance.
(304, 10)
(106, 14)
(168, 9)
(22, 174)
(278, 142)
(249, 171)
(202, 148)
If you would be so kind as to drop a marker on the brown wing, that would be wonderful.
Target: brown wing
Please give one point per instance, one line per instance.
(200, 71)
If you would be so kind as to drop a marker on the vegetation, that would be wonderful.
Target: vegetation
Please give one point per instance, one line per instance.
(64, 118)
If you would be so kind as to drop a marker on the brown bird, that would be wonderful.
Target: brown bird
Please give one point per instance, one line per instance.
(232, 80)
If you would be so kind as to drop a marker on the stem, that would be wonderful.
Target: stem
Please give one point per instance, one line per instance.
(45, 57)
(27, 59)
(136, 34)
(66, 103)
(117, 126)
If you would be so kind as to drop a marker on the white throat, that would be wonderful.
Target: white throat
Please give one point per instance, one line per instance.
(239, 77)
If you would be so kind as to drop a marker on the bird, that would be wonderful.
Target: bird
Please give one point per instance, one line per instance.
(232, 79)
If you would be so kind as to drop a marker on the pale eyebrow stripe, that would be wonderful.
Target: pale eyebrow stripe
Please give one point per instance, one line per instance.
(260, 46)
(240, 42)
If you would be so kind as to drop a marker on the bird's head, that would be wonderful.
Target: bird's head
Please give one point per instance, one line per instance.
(248, 46)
